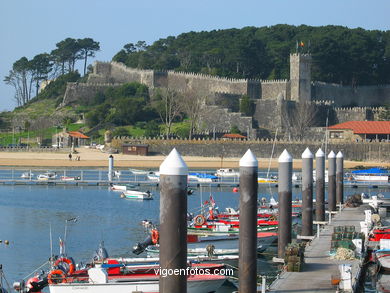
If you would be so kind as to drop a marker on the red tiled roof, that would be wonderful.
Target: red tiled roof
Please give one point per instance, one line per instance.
(233, 135)
(365, 127)
(77, 134)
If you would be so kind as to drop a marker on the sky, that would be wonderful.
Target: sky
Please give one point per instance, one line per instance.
(28, 28)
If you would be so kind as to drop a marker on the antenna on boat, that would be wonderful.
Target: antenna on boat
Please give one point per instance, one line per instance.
(51, 242)
(74, 220)
(326, 132)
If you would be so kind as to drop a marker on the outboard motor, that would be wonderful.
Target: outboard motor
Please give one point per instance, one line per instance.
(36, 285)
(101, 253)
(141, 246)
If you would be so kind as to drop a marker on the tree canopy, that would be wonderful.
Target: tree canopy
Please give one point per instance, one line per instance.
(340, 55)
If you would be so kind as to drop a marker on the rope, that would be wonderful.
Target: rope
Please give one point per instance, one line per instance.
(36, 270)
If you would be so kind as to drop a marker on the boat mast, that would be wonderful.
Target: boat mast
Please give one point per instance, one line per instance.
(272, 152)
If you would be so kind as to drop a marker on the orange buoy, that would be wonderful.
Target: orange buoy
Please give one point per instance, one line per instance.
(235, 189)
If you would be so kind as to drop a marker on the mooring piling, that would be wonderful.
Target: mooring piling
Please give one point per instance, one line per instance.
(173, 223)
(285, 202)
(331, 182)
(320, 185)
(110, 167)
(339, 178)
(248, 223)
(307, 193)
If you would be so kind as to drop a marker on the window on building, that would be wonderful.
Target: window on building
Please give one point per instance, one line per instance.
(336, 134)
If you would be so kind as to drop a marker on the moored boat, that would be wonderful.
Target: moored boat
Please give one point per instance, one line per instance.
(136, 194)
(382, 255)
(227, 172)
(370, 175)
(153, 176)
(49, 175)
(70, 178)
(27, 175)
(118, 187)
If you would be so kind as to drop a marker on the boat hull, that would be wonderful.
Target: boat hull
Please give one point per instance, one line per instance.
(193, 286)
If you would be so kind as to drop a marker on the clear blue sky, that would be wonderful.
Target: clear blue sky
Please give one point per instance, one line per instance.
(28, 28)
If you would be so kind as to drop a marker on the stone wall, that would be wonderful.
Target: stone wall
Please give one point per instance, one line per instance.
(222, 120)
(262, 149)
(270, 90)
(268, 114)
(83, 91)
(342, 96)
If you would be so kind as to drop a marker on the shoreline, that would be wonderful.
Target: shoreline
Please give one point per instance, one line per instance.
(96, 159)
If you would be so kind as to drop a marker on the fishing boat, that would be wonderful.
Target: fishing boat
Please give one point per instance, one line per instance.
(382, 255)
(136, 194)
(118, 187)
(226, 172)
(98, 280)
(218, 245)
(370, 175)
(49, 175)
(27, 175)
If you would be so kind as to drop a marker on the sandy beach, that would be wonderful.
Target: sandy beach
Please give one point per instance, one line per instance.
(96, 158)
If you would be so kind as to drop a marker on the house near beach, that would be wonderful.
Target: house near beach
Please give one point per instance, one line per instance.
(67, 139)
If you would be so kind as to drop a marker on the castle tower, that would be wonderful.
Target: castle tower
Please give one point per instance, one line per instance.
(300, 77)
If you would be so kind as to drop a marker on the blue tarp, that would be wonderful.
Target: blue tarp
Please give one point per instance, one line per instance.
(371, 171)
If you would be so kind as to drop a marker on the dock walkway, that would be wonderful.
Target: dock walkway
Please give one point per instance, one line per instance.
(318, 267)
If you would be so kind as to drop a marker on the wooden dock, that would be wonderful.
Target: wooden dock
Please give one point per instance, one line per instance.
(318, 268)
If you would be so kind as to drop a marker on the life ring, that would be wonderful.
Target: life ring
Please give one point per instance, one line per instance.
(56, 277)
(155, 236)
(199, 220)
(68, 261)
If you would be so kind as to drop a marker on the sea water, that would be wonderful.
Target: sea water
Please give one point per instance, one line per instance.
(33, 219)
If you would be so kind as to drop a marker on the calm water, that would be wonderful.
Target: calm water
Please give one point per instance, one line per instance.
(26, 213)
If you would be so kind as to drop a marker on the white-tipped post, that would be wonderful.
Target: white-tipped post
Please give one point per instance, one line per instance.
(331, 182)
(249, 160)
(320, 153)
(173, 222)
(285, 157)
(307, 154)
(331, 155)
(173, 164)
(285, 202)
(307, 193)
(248, 223)
(320, 185)
(339, 178)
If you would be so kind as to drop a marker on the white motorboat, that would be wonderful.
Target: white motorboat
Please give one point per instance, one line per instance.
(138, 172)
(70, 178)
(153, 176)
(27, 175)
(118, 187)
(226, 172)
(370, 175)
(136, 194)
(49, 175)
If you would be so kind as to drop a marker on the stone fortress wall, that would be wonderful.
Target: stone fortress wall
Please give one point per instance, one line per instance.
(346, 102)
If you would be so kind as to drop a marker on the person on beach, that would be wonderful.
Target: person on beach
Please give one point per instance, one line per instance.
(70, 157)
